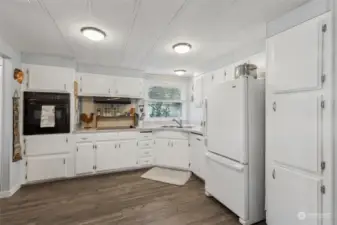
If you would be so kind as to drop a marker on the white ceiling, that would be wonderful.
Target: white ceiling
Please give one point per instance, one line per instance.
(140, 33)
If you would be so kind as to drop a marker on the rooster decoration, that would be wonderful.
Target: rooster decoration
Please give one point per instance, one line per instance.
(87, 119)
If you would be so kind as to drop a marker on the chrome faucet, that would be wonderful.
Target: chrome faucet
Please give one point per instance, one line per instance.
(179, 122)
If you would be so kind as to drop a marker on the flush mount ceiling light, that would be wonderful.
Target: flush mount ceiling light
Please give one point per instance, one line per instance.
(180, 72)
(93, 33)
(182, 48)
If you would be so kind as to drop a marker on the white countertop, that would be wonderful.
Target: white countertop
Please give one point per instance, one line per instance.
(195, 129)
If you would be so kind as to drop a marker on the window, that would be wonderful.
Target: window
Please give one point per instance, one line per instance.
(164, 109)
(164, 93)
(164, 102)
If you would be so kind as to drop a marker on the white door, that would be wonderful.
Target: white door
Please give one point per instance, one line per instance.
(106, 156)
(299, 125)
(197, 155)
(296, 57)
(198, 92)
(85, 158)
(129, 87)
(127, 153)
(301, 192)
(179, 155)
(50, 78)
(161, 151)
(227, 120)
(47, 144)
(95, 85)
(45, 167)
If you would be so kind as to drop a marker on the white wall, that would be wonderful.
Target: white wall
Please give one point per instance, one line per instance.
(10, 172)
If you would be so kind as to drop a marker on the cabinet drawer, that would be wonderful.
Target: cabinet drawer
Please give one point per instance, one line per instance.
(106, 136)
(145, 136)
(145, 144)
(172, 134)
(143, 153)
(145, 161)
(85, 137)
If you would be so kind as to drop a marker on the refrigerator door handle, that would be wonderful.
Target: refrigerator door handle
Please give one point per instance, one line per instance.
(223, 161)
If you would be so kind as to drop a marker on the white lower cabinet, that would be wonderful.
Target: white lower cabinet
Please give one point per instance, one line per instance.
(85, 158)
(46, 167)
(197, 155)
(172, 153)
(127, 153)
(47, 157)
(106, 156)
(302, 191)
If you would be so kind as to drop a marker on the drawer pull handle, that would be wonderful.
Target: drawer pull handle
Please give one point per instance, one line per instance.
(84, 138)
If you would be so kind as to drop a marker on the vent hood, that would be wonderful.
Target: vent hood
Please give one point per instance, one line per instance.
(112, 100)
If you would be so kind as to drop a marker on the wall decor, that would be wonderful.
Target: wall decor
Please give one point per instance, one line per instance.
(18, 75)
(17, 150)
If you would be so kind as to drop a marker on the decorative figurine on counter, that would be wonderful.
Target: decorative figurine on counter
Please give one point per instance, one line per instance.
(87, 119)
(18, 75)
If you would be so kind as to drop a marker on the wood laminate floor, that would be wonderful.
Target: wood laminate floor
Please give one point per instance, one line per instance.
(121, 199)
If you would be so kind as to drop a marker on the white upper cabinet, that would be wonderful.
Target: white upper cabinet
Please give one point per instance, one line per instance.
(296, 57)
(95, 85)
(219, 76)
(48, 78)
(207, 83)
(129, 87)
(198, 92)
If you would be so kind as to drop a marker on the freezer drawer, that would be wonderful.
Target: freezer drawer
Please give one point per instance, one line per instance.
(226, 181)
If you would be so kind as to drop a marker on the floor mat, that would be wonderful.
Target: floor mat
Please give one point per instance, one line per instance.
(170, 176)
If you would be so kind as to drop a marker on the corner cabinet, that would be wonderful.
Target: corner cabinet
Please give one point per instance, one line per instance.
(129, 87)
(172, 150)
(95, 85)
(48, 78)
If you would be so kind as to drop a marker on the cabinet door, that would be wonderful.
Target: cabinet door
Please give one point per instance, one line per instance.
(47, 144)
(96, 85)
(197, 155)
(85, 158)
(127, 153)
(294, 198)
(207, 83)
(106, 156)
(194, 156)
(295, 57)
(129, 87)
(219, 76)
(198, 92)
(179, 154)
(45, 167)
(49, 78)
(161, 151)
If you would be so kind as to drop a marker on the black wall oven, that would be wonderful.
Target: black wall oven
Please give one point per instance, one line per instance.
(46, 113)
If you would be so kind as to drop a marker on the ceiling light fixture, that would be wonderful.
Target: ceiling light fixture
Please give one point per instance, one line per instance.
(180, 72)
(93, 33)
(182, 48)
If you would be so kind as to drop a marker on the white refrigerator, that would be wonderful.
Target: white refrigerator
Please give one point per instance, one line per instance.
(235, 141)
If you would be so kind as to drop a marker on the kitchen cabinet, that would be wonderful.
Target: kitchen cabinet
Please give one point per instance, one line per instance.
(127, 151)
(207, 83)
(219, 76)
(48, 78)
(47, 167)
(96, 85)
(107, 156)
(129, 87)
(198, 92)
(298, 109)
(179, 154)
(47, 144)
(85, 158)
(197, 155)
(172, 153)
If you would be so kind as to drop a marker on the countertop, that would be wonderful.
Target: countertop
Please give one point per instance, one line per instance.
(195, 129)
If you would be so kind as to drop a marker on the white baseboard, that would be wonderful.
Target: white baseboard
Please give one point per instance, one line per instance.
(12, 191)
